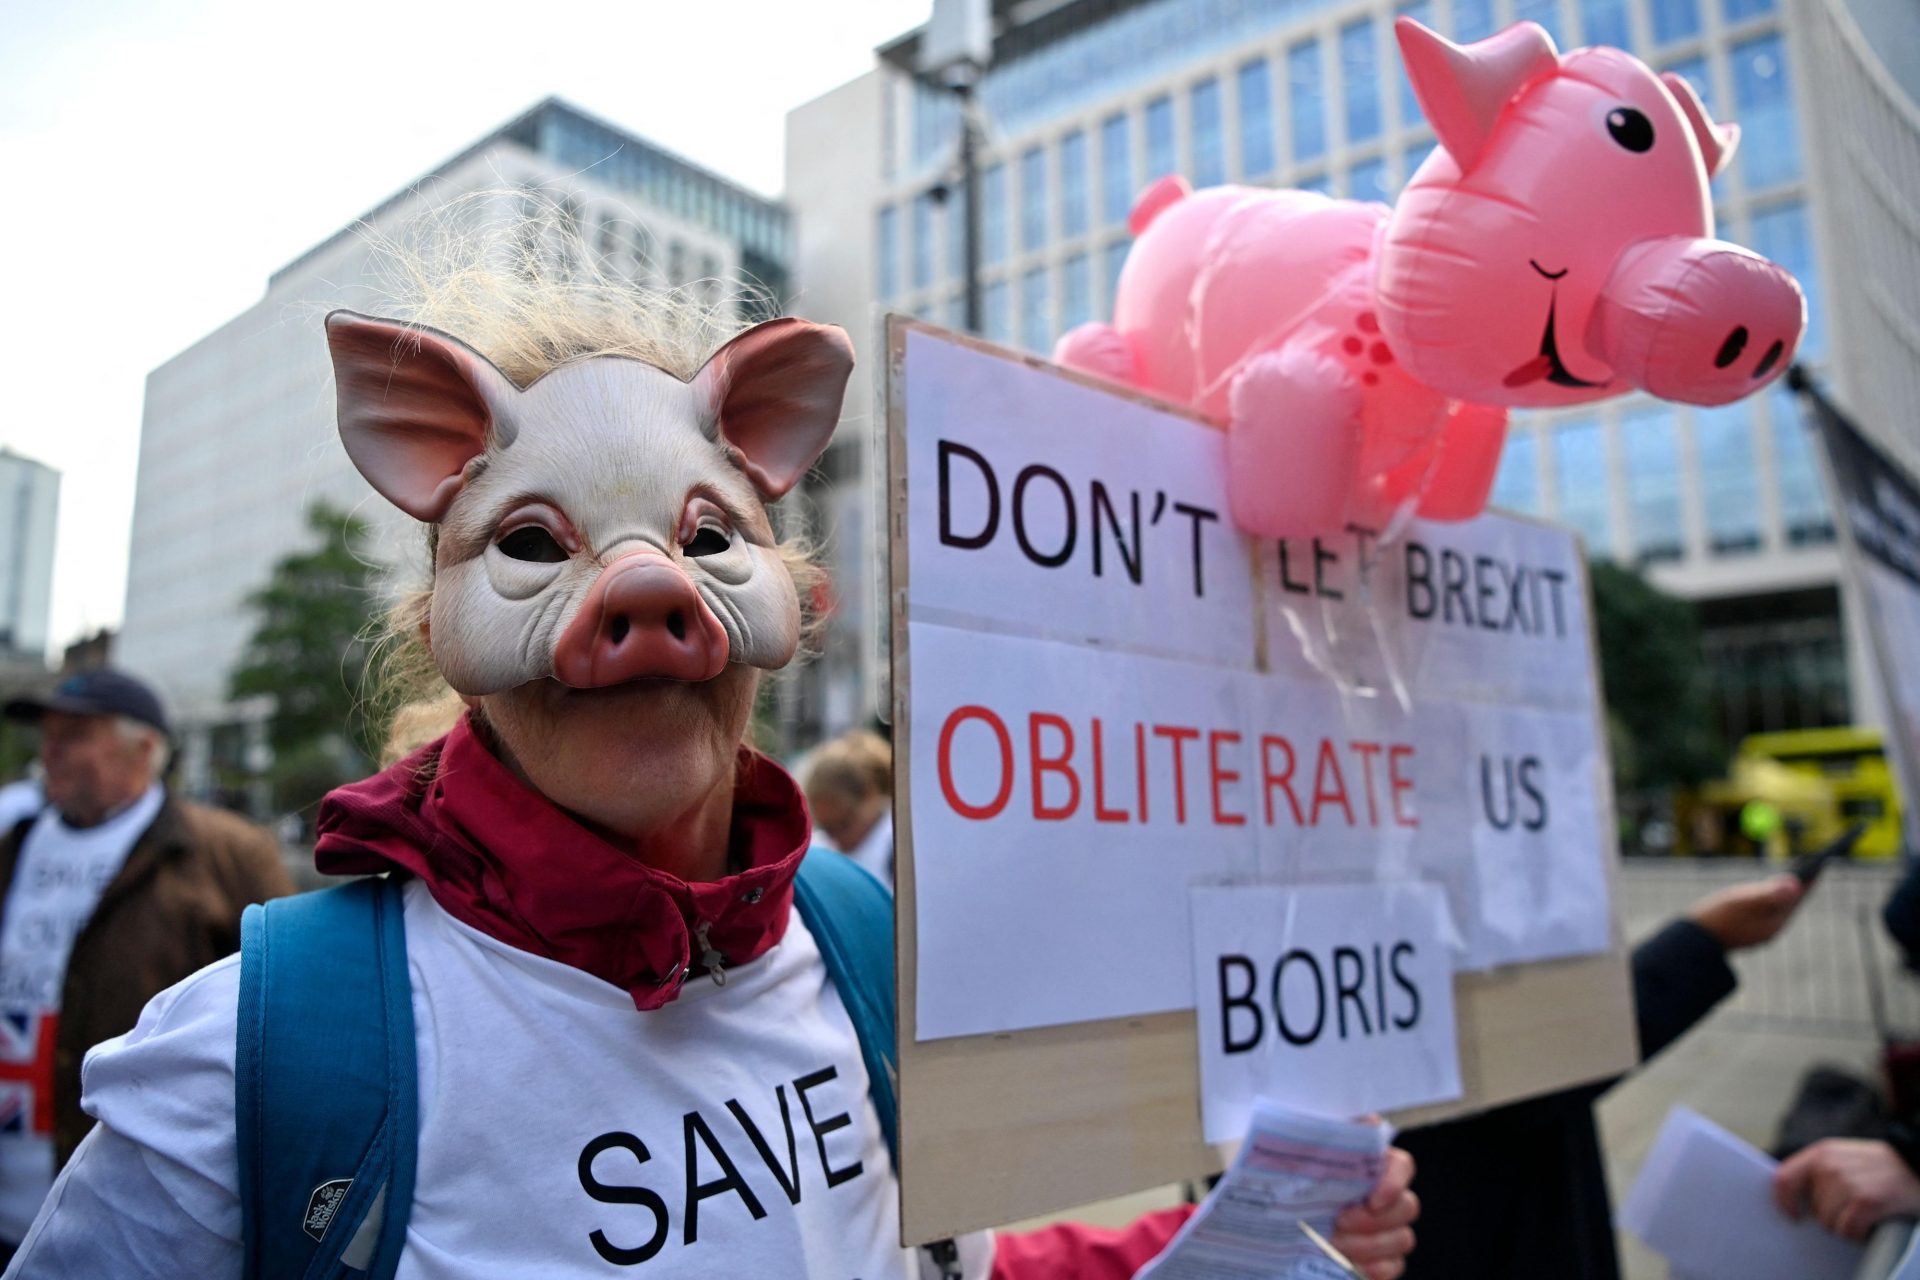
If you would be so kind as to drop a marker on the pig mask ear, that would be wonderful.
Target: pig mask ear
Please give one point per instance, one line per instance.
(1463, 89)
(415, 408)
(1717, 141)
(775, 393)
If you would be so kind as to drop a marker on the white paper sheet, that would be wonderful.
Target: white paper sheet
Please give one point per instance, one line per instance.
(1334, 1001)
(1292, 1168)
(1704, 1200)
(1338, 713)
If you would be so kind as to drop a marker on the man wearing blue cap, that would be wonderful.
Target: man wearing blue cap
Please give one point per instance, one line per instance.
(114, 892)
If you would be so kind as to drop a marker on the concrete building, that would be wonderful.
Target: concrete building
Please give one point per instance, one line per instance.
(29, 506)
(1089, 100)
(237, 435)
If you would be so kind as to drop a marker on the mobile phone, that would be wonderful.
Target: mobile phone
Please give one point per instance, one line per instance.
(1808, 866)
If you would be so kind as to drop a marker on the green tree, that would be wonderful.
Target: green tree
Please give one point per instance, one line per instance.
(1659, 708)
(309, 654)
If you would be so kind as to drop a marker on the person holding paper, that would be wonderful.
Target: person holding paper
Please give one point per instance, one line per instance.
(1521, 1191)
(1852, 1185)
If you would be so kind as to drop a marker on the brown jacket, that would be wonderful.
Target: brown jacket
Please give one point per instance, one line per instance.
(173, 909)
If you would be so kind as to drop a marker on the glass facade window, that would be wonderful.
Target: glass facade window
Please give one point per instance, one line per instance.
(923, 237)
(1073, 184)
(957, 312)
(886, 241)
(1161, 159)
(1207, 135)
(1516, 487)
(1741, 10)
(1116, 170)
(1544, 12)
(1729, 483)
(1036, 329)
(996, 319)
(1112, 258)
(1368, 181)
(1763, 103)
(957, 232)
(1360, 80)
(1256, 119)
(1674, 19)
(1650, 439)
(1033, 198)
(1306, 96)
(993, 215)
(1804, 517)
(1472, 20)
(1782, 234)
(1318, 182)
(1580, 481)
(1606, 22)
(1421, 11)
(1076, 292)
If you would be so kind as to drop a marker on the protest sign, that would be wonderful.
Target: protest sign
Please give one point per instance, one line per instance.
(1104, 696)
(1879, 515)
(1335, 1000)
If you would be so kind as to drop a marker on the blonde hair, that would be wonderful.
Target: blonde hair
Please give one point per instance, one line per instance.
(528, 293)
(857, 764)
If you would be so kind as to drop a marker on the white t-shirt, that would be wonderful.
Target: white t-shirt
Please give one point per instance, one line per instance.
(562, 1133)
(875, 852)
(56, 886)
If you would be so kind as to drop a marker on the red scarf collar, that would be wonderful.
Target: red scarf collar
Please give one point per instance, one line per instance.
(499, 856)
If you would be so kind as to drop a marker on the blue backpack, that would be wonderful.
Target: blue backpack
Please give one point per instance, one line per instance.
(325, 1084)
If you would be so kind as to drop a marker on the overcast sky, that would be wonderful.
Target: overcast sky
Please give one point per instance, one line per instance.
(163, 157)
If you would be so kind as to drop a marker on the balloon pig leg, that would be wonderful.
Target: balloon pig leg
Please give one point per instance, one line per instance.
(1293, 443)
(1100, 350)
(1463, 474)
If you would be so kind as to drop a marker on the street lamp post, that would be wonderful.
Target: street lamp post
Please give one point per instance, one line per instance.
(954, 52)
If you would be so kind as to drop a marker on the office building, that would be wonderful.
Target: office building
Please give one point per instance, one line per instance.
(1087, 101)
(237, 437)
(29, 507)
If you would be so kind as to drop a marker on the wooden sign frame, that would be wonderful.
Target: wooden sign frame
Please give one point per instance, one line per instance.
(1001, 1127)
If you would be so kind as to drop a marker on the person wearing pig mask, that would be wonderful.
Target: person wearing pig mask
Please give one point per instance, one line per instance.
(629, 1049)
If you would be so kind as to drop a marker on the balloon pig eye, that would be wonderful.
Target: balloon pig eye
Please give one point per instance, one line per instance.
(1630, 128)
(531, 542)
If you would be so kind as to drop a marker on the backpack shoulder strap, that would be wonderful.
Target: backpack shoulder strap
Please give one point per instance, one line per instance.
(325, 1089)
(850, 915)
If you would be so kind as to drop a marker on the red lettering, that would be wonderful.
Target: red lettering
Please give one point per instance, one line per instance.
(1367, 751)
(1328, 765)
(1283, 779)
(1179, 736)
(979, 813)
(1398, 783)
(1140, 766)
(1220, 776)
(1043, 764)
(1100, 811)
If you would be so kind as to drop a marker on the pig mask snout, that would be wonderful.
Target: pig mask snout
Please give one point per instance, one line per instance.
(1699, 321)
(641, 618)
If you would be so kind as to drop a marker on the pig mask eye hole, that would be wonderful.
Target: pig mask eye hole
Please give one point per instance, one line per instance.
(707, 541)
(531, 542)
(1631, 129)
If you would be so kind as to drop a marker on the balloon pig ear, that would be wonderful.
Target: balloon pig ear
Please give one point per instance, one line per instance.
(775, 392)
(1717, 141)
(415, 407)
(1463, 88)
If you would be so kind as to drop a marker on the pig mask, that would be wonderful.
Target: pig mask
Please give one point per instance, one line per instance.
(607, 522)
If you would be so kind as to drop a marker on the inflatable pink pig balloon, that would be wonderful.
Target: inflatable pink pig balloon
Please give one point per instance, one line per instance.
(1554, 249)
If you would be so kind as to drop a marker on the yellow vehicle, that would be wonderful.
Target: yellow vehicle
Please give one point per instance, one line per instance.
(1852, 761)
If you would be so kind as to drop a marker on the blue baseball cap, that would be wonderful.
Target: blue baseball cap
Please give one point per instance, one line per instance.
(99, 692)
